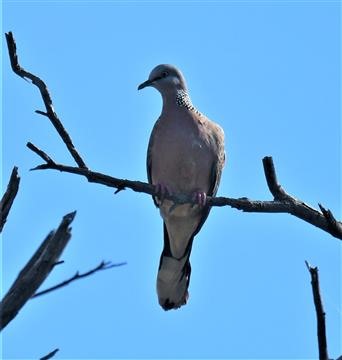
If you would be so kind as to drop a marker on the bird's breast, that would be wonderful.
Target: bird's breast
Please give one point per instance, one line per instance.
(181, 156)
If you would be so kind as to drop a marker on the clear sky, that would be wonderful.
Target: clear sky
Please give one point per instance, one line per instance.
(269, 73)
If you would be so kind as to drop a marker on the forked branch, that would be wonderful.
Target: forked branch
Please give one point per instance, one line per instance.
(104, 265)
(282, 202)
(36, 270)
(286, 204)
(50, 112)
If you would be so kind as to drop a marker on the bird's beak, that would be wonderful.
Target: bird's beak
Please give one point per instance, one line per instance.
(144, 84)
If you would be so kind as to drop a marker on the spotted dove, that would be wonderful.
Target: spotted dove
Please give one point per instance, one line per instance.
(185, 156)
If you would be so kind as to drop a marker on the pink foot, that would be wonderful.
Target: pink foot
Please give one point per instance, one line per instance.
(200, 198)
(162, 190)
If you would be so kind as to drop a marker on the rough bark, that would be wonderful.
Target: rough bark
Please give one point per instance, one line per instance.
(8, 197)
(36, 270)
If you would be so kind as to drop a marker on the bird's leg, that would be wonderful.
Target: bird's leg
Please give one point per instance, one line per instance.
(199, 198)
(162, 190)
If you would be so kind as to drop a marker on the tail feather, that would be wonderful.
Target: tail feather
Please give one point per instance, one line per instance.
(173, 276)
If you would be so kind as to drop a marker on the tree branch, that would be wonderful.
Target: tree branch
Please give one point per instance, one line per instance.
(102, 266)
(50, 113)
(9, 196)
(36, 270)
(282, 203)
(272, 182)
(333, 224)
(320, 314)
(41, 153)
(49, 355)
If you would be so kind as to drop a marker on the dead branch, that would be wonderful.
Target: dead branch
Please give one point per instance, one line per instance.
(334, 225)
(102, 266)
(50, 112)
(9, 196)
(320, 314)
(282, 202)
(36, 270)
(49, 355)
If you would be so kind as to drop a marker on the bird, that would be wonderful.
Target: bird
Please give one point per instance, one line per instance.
(185, 155)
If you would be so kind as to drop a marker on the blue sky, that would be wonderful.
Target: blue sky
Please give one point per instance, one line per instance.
(269, 73)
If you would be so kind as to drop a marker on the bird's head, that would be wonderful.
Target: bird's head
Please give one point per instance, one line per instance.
(165, 78)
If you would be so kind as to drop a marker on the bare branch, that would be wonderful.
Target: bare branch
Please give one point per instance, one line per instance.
(9, 196)
(36, 270)
(275, 188)
(102, 266)
(282, 203)
(58, 262)
(40, 153)
(49, 355)
(320, 314)
(43, 113)
(287, 204)
(334, 225)
(50, 112)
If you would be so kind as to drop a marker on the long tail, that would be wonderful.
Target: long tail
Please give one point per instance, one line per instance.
(173, 276)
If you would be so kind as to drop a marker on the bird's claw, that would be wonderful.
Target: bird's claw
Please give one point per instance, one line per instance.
(199, 198)
(162, 190)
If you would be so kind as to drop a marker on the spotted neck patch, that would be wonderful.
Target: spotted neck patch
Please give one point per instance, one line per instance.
(183, 100)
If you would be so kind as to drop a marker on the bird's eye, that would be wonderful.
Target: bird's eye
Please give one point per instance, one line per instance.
(165, 74)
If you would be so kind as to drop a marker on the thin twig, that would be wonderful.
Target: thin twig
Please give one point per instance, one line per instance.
(8, 197)
(39, 152)
(58, 262)
(36, 270)
(49, 355)
(102, 266)
(320, 314)
(50, 112)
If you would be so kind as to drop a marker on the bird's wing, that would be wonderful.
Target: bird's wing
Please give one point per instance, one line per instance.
(174, 273)
(149, 158)
(218, 164)
(216, 170)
